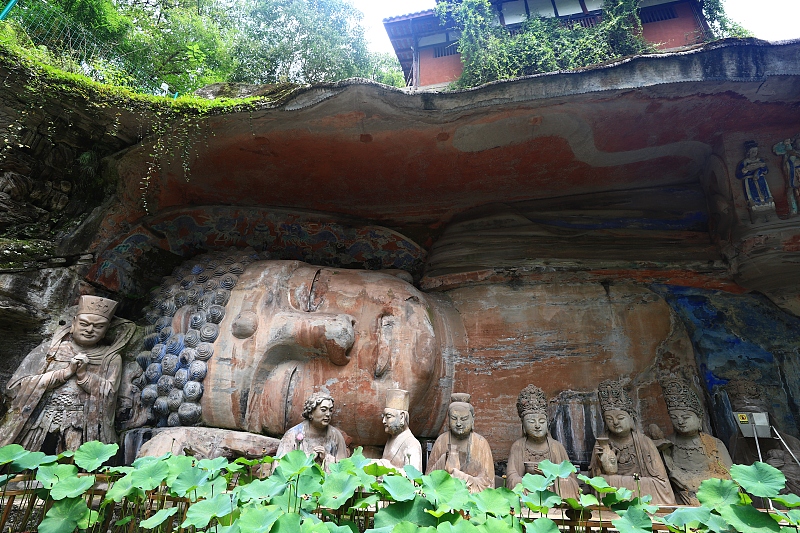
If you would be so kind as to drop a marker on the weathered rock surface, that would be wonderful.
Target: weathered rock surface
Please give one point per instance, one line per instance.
(204, 443)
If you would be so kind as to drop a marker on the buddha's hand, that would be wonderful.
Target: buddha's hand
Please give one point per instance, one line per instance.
(607, 458)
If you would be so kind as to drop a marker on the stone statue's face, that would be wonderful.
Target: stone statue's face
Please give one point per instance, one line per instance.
(394, 421)
(88, 330)
(752, 152)
(618, 422)
(461, 421)
(321, 415)
(293, 329)
(685, 422)
(535, 426)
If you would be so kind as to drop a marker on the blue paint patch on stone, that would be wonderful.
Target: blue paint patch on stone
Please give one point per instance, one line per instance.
(741, 336)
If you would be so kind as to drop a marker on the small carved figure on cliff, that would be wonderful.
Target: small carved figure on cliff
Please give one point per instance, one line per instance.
(315, 435)
(65, 391)
(627, 452)
(402, 448)
(690, 455)
(537, 444)
(460, 451)
(752, 170)
(791, 169)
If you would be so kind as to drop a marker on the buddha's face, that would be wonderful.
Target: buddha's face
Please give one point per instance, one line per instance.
(535, 426)
(291, 329)
(685, 422)
(87, 330)
(320, 417)
(461, 421)
(752, 153)
(394, 421)
(618, 422)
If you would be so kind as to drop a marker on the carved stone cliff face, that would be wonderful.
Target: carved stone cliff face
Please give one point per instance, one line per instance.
(291, 329)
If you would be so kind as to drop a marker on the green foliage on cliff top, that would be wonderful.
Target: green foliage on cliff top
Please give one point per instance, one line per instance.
(178, 46)
(491, 52)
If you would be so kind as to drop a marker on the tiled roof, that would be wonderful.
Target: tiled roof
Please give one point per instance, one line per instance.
(408, 16)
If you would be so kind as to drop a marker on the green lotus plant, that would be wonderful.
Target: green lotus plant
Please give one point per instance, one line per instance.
(73, 491)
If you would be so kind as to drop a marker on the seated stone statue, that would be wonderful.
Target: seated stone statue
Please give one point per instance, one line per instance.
(460, 451)
(537, 444)
(64, 393)
(690, 455)
(402, 448)
(627, 452)
(315, 435)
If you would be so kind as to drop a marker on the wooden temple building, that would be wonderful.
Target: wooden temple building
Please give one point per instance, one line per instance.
(428, 51)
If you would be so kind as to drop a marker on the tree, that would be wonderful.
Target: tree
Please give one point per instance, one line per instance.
(303, 41)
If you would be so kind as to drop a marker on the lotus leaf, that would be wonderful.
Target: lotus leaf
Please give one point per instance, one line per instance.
(715, 493)
(122, 489)
(287, 523)
(149, 476)
(72, 487)
(787, 500)
(11, 453)
(259, 519)
(562, 470)
(201, 513)
(178, 464)
(598, 483)
(337, 489)
(91, 455)
(496, 525)
(541, 525)
(33, 461)
(445, 491)
(497, 502)
(462, 526)
(49, 475)
(634, 520)
(748, 518)
(64, 516)
(399, 488)
(759, 479)
(412, 510)
(686, 516)
(158, 518)
(188, 480)
(366, 502)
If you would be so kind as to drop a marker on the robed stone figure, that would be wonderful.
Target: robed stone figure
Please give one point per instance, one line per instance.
(460, 451)
(64, 393)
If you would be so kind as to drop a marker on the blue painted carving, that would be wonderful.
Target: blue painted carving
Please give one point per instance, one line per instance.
(746, 336)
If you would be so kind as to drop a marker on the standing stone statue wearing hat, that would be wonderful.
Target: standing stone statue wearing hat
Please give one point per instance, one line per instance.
(537, 444)
(402, 448)
(690, 455)
(65, 391)
(460, 451)
(627, 452)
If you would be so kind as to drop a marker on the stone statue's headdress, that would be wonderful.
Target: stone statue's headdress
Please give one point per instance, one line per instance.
(745, 395)
(680, 396)
(613, 396)
(397, 399)
(531, 400)
(461, 399)
(748, 145)
(95, 305)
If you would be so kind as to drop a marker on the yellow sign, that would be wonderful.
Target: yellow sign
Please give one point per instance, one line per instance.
(743, 418)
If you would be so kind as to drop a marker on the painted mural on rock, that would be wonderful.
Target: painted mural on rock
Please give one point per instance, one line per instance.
(310, 237)
(745, 337)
